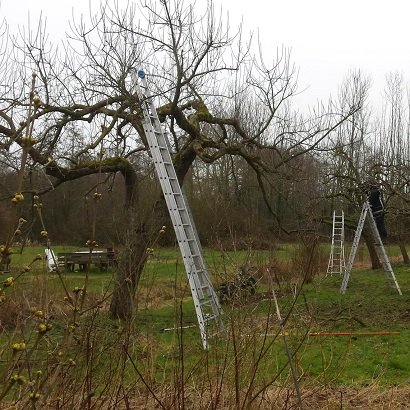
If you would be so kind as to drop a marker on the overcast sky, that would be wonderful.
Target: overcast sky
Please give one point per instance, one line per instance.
(327, 37)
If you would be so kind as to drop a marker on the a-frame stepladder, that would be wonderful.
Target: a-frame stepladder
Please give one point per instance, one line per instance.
(337, 254)
(207, 306)
(367, 211)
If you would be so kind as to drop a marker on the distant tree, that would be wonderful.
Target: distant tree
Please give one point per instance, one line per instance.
(372, 147)
(393, 158)
(350, 161)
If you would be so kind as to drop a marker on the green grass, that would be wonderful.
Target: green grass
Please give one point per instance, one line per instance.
(369, 305)
(164, 301)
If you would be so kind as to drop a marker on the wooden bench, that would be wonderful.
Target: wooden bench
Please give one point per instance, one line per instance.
(101, 259)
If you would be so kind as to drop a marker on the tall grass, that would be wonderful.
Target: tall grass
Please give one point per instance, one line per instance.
(84, 359)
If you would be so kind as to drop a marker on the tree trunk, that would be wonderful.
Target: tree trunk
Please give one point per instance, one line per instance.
(131, 262)
(139, 237)
(132, 256)
(403, 250)
(374, 258)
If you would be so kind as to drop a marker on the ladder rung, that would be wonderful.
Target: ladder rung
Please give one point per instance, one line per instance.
(206, 301)
(205, 287)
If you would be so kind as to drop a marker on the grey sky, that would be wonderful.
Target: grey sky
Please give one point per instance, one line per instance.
(327, 37)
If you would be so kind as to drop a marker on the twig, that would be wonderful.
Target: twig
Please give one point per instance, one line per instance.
(290, 359)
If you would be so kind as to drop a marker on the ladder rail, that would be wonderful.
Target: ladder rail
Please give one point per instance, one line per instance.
(381, 251)
(342, 265)
(203, 293)
(353, 250)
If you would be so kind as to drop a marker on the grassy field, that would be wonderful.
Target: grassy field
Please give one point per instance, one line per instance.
(244, 364)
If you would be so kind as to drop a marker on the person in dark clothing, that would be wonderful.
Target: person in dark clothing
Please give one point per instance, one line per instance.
(375, 198)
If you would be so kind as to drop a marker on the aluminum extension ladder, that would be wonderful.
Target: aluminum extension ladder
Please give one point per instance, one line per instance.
(207, 306)
(337, 253)
(366, 210)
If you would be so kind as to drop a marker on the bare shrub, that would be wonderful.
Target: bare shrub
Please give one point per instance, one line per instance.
(306, 259)
(280, 271)
(243, 243)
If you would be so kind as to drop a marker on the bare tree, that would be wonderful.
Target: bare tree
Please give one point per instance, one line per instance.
(351, 160)
(215, 96)
(370, 146)
(393, 149)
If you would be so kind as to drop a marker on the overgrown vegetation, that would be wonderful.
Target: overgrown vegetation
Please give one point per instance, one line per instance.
(63, 357)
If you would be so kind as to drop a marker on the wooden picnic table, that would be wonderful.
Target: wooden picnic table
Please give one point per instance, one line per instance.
(84, 258)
